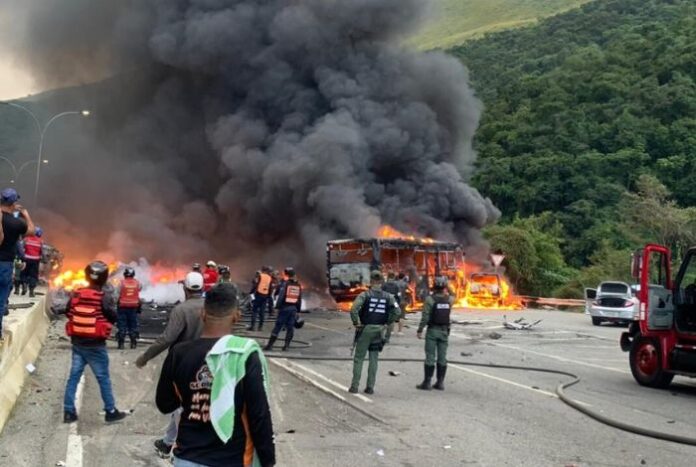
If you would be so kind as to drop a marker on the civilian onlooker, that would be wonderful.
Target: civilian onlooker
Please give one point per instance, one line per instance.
(15, 223)
(184, 325)
(220, 382)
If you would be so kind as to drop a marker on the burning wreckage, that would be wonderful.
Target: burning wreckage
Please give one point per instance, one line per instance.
(420, 260)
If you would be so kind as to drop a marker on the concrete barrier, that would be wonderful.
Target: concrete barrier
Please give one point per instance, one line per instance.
(25, 330)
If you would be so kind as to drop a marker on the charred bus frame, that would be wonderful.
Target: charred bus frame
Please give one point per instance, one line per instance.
(349, 262)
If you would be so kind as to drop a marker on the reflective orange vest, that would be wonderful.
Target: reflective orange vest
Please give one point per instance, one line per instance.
(85, 318)
(129, 296)
(292, 293)
(32, 248)
(264, 285)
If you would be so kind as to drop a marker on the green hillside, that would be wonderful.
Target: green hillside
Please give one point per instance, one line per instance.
(459, 20)
(589, 133)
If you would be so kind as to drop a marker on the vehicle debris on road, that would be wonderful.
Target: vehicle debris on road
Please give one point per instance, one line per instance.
(520, 324)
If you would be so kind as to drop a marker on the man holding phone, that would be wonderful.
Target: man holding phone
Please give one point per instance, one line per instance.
(15, 223)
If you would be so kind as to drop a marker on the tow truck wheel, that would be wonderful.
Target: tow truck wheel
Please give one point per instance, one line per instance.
(646, 364)
(596, 321)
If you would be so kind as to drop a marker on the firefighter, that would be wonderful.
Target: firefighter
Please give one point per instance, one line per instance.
(261, 290)
(33, 248)
(224, 275)
(128, 309)
(210, 276)
(372, 312)
(91, 313)
(436, 316)
(288, 305)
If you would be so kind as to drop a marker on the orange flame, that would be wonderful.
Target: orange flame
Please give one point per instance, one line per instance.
(489, 291)
(387, 231)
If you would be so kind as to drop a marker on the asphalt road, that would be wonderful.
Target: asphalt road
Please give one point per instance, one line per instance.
(486, 417)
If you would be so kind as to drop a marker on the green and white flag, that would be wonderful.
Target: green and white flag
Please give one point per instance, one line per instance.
(227, 362)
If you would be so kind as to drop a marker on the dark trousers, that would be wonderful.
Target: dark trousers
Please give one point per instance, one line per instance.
(269, 305)
(286, 318)
(5, 288)
(127, 323)
(258, 307)
(30, 274)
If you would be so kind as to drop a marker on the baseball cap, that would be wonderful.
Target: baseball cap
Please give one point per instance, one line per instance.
(9, 196)
(376, 275)
(194, 281)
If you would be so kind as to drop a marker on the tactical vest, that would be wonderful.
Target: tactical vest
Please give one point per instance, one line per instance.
(264, 285)
(32, 248)
(440, 314)
(292, 293)
(374, 309)
(86, 318)
(129, 296)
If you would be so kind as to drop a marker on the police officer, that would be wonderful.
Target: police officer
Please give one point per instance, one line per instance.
(372, 312)
(436, 316)
(288, 305)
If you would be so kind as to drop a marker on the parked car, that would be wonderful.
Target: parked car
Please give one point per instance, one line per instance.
(614, 302)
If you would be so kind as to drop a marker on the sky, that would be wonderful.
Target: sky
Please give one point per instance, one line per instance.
(13, 81)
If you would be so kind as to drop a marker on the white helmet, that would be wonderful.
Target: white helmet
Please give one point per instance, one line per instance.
(194, 281)
(211, 264)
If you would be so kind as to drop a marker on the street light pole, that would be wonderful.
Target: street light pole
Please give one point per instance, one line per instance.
(42, 134)
(17, 172)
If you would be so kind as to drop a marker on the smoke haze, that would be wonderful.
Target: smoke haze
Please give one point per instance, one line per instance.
(248, 130)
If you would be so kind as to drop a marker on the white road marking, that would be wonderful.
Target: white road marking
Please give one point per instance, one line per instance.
(73, 455)
(329, 380)
(512, 383)
(325, 329)
(306, 378)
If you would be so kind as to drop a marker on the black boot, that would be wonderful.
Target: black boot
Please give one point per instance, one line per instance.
(134, 342)
(31, 293)
(287, 344)
(120, 343)
(16, 291)
(428, 371)
(24, 289)
(441, 371)
(271, 341)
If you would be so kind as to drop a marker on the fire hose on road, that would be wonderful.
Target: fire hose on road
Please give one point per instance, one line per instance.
(560, 392)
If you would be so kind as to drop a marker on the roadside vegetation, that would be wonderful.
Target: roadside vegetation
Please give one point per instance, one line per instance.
(588, 141)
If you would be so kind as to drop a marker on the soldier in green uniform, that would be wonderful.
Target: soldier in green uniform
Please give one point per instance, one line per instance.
(436, 316)
(372, 312)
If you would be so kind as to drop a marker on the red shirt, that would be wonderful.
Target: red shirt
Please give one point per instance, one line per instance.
(210, 278)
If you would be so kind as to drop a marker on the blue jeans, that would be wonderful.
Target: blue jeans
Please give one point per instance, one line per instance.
(184, 463)
(127, 322)
(286, 317)
(6, 268)
(98, 360)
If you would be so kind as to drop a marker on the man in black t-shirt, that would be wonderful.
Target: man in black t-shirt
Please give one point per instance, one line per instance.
(186, 381)
(11, 229)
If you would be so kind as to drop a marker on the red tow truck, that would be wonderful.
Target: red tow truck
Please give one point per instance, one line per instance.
(662, 342)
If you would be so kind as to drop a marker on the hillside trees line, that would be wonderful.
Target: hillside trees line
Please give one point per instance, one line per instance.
(590, 120)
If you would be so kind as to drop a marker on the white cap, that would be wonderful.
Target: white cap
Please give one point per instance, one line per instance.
(211, 264)
(194, 281)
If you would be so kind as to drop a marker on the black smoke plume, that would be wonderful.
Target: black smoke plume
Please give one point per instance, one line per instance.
(249, 130)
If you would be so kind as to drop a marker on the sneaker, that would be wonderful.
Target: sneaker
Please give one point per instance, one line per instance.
(163, 449)
(114, 416)
(353, 390)
(69, 417)
(369, 391)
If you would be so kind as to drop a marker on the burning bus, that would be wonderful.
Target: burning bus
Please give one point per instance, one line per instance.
(350, 261)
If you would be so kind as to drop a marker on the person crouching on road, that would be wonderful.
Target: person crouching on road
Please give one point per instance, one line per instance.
(288, 305)
(91, 313)
(261, 289)
(372, 312)
(220, 381)
(436, 316)
(184, 325)
(128, 309)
